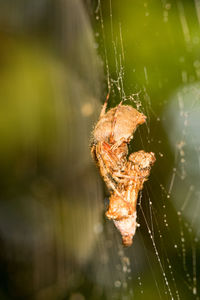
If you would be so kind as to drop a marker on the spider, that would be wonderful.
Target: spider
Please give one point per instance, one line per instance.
(112, 134)
(123, 177)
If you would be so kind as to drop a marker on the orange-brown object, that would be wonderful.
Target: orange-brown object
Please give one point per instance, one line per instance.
(118, 124)
(123, 178)
(111, 135)
(122, 209)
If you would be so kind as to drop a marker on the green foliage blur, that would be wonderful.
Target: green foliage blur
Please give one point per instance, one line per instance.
(160, 41)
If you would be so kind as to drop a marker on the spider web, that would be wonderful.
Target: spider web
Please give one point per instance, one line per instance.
(163, 260)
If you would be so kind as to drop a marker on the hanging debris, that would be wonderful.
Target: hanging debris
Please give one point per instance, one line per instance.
(123, 176)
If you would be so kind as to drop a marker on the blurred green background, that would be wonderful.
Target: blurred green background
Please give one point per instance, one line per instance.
(57, 62)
